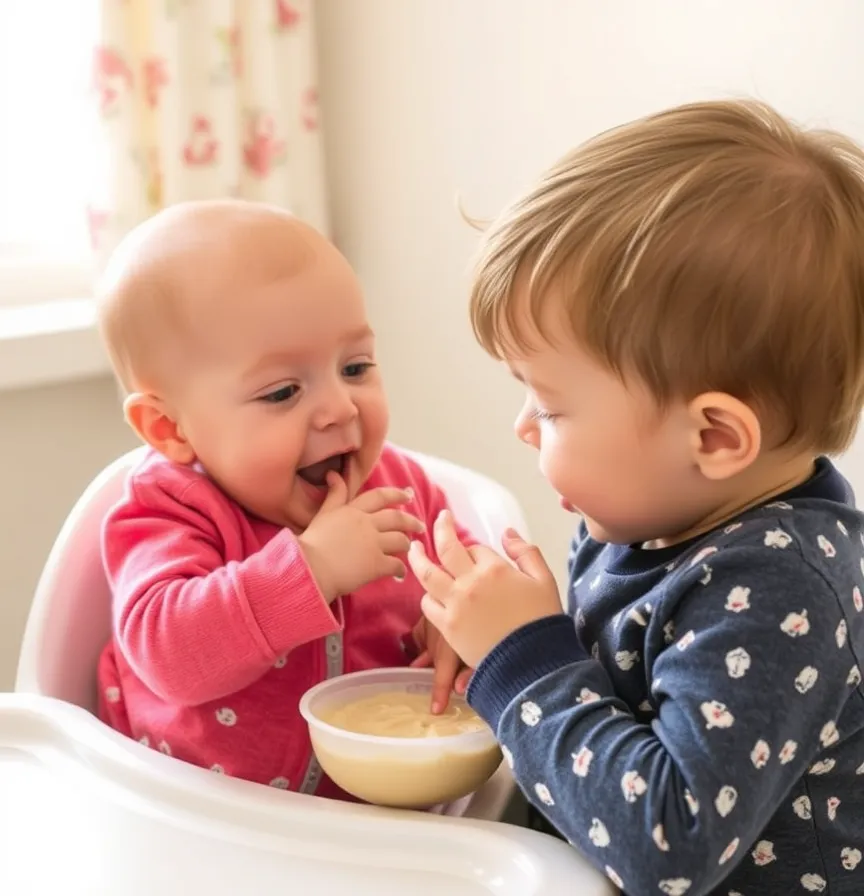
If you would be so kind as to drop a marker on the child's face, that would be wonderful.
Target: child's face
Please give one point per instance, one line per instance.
(283, 386)
(605, 448)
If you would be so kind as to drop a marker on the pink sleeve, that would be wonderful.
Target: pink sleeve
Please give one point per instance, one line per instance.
(192, 627)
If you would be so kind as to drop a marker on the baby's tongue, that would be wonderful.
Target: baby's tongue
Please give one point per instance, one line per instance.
(316, 474)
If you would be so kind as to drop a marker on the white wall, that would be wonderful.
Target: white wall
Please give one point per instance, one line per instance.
(429, 98)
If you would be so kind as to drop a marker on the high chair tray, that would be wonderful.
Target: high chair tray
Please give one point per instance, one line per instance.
(84, 815)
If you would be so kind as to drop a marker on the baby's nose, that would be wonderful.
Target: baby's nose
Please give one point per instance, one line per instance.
(337, 409)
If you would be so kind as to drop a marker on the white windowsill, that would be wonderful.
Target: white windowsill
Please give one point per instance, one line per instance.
(49, 342)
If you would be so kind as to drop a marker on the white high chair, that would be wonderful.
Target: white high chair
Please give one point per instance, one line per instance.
(87, 812)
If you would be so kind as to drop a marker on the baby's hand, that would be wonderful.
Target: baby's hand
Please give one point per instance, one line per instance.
(349, 544)
(451, 674)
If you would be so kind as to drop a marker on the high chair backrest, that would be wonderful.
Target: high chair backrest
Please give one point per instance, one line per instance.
(70, 622)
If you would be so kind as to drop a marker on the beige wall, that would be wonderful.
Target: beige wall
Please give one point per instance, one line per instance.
(427, 99)
(52, 442)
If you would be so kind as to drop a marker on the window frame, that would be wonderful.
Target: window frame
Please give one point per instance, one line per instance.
(34, 280)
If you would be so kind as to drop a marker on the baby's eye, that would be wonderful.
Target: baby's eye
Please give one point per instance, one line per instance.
(283, 393)
(356, 370)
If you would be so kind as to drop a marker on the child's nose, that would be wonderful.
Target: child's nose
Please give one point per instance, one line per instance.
(526, 429)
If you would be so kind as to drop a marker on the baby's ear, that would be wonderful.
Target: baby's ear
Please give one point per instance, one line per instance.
(153, 422)
(726, 435)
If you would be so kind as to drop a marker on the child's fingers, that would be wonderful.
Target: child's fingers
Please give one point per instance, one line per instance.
(452, 553)
(433, 578)
(526, 556)
(433, 611)
(462, 680)
(422, 661)
(447, 665)
(420, 633)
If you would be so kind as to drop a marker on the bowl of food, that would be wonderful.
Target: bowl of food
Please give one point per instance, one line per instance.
(374, 734)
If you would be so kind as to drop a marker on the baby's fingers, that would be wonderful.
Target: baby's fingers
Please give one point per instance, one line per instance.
(393, 543)
(393, 567)
(391, 520)
(378, 498)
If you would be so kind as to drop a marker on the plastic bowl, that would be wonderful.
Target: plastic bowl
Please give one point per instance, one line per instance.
(400, 772)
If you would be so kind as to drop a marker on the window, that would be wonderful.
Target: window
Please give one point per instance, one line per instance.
(47, 147)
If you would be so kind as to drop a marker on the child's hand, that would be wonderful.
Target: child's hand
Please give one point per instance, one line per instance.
(349, 544)
(451, 674)
(477, 599)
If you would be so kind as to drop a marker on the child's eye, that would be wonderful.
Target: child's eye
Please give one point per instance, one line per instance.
(541, 415)
(283, 393)
(356, 370)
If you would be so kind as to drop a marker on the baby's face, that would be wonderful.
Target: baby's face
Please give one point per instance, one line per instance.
(284, 387)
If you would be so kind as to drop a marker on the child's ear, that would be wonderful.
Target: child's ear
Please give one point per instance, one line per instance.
(154, 424)
(726, 435)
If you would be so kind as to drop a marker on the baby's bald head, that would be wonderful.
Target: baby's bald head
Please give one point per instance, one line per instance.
(189, 264)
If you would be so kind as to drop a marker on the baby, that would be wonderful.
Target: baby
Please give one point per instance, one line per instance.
(259, 546)
(683, 299)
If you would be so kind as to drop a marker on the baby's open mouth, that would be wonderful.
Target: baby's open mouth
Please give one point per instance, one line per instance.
(316, 474)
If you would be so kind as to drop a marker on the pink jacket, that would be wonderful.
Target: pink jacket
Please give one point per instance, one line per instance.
(219, 626)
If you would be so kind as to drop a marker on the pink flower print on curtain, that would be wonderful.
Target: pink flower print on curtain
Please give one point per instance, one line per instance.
(201, 147)
(287, 15)
(112, 77)
(203, 99)
(262, 149)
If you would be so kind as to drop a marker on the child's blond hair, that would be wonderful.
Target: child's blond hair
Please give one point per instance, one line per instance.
(711, 247)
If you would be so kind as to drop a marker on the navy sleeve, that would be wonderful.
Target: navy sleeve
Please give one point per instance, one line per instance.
(745, 698)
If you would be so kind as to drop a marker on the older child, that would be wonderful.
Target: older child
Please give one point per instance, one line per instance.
(683, 298)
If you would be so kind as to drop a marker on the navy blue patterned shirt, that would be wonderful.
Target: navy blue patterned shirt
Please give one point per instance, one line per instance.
(695, 725)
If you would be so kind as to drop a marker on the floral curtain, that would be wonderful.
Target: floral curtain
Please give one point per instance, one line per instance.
(203, 99)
